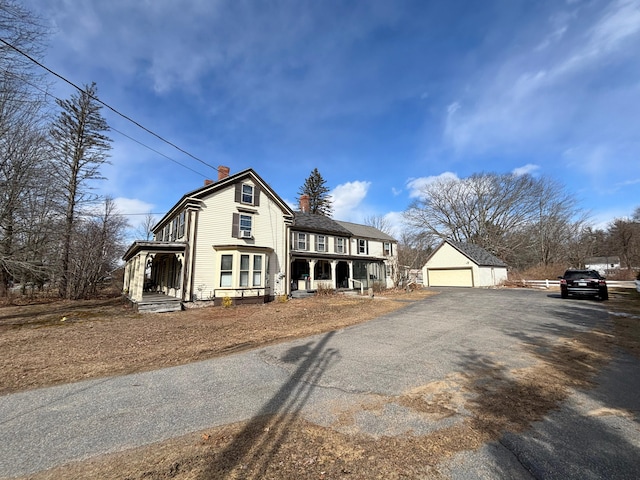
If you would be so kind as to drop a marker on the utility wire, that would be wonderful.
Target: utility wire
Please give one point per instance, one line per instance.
(118, 131)
(105, 104)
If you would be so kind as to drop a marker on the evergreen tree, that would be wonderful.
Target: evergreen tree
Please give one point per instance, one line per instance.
(319, 200)
(80, 147)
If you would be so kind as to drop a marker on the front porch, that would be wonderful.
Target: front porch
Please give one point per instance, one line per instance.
(310, 274)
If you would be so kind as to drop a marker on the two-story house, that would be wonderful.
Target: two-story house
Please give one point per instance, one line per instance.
(330, 253)
(237, 238)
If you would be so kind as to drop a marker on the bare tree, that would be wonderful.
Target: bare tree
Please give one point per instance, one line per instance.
(80, 147)
(380, 222)
(625, 240)
(506, 214)
(96, 250)
(145, 228)
(22, 152)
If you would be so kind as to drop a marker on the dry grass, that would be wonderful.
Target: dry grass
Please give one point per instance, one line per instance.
(288, 446)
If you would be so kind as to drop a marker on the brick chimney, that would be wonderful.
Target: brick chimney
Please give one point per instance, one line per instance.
(208, 182)
(304, 203)
(223, 172)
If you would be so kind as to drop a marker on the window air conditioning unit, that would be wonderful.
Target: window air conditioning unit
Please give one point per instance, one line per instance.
(245, 234)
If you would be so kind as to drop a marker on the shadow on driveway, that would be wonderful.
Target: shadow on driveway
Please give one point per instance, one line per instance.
(254, 447)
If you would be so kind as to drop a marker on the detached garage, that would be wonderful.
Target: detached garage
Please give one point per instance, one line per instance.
(457, 264)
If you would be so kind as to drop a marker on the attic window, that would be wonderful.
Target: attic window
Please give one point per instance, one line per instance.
(247, 194)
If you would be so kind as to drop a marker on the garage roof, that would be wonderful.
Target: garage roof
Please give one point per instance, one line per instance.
(476, 253)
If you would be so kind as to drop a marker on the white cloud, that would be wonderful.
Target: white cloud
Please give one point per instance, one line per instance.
(396, 222)
(533, 94)
(396, 191)
(347, 198)
(416, 185)
(526, 169)
(130, 206)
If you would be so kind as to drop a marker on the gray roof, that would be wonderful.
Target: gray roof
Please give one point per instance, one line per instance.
(365, 231)
(318, 223)
(478, 254)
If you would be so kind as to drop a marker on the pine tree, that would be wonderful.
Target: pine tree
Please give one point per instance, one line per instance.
(79, 148)
(319, 200)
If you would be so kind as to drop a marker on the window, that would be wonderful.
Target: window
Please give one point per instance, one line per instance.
(245, 224)
(226, 270)
(301, 241)
(181, 222)
(257, 270)
(321, 243)
(363, 248)
(244, 270)
(339, 245)
(165, 234)
(387, 248)
(174, 229)
(247, 194)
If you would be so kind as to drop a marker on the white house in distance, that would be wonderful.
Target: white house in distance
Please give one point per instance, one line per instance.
(237, 238)
(457, 264)
(603, 265)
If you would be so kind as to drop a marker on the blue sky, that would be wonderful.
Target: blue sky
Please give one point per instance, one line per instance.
(380, 96)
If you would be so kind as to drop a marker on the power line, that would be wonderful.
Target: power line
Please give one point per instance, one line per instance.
(105, 104)
(118, 131)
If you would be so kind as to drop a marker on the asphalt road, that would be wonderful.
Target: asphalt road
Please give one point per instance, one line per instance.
(428, 343)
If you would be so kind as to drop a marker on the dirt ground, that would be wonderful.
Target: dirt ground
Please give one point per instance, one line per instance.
(56, 343)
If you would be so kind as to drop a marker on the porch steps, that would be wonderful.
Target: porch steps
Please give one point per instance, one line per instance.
(158, 303)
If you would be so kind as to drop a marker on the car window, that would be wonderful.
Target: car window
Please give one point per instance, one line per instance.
(577, 275)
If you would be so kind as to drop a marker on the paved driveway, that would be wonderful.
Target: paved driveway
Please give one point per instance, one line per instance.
(428, 343)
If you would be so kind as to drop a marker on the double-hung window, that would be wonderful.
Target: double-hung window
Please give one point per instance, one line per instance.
(257, 270)
(363, 248)
(247, 194)
(387, 248)
(339, 245)
(181, 222)
(301, 241)
(244, 270)
(226, 270)
(245, 224)
(321, 243)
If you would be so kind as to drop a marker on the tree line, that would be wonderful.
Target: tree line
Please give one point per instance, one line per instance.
(54, 230)
(525, 221)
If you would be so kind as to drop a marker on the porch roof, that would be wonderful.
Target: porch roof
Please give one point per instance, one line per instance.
(153, 247)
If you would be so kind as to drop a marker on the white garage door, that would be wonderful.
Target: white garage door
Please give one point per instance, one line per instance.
(453, 277)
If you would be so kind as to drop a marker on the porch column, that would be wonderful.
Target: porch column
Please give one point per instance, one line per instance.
(334, 283)
(350, 262)
(312, 273)
(125, 279)
(137, 285)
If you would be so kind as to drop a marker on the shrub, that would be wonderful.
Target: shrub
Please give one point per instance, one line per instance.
(324, 289)
(227, 302)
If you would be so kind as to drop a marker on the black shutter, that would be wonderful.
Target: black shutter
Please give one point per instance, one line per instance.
(256, 196)
(238, 192)
(235, 226)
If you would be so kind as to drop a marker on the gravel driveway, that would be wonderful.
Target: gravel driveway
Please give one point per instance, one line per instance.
(433, 343)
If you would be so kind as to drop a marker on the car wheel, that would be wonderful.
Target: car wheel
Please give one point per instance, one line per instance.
(604, 294)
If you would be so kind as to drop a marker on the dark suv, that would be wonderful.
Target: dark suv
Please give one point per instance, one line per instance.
(583, 282)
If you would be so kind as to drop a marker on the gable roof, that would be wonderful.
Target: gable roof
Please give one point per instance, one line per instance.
(196, 196)
(476, 253)
(366, 231)
(318, 223)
